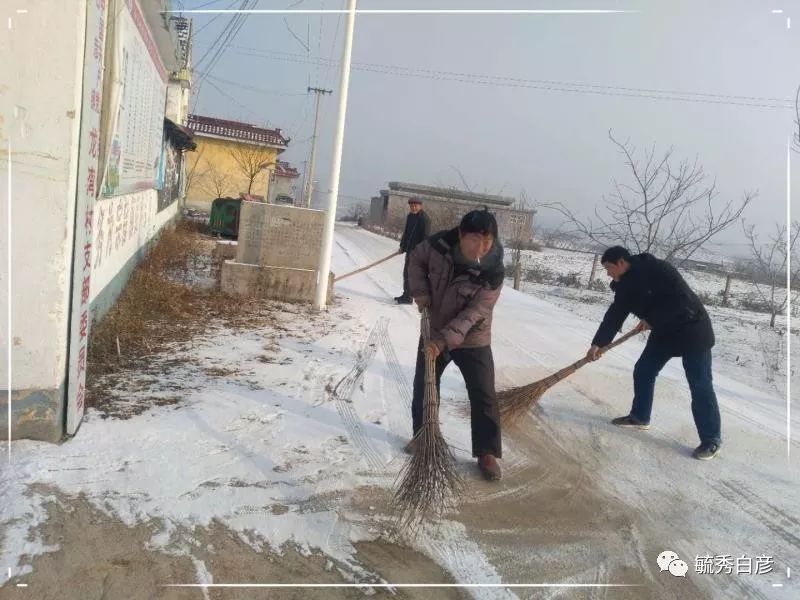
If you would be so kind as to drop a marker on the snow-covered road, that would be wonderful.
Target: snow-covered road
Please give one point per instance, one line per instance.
(301, 443)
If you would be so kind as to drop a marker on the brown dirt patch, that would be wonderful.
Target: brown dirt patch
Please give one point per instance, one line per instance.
(99, 557)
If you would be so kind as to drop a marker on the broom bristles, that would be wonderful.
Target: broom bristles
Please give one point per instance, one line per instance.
(429, 481)
(515, 402)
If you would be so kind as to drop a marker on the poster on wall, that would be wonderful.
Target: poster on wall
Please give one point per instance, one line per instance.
(85, 196)
(137, 133)
(167, 176)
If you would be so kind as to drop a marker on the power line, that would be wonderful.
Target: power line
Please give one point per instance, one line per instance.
(214, 44)
(319, 40)
(247, 109)
(548, 85)
(250, 87)
(333, 47)
(212, 19)
(294, 35)
(204, 5)
(224, 44)
(224, 40)
(300, 115)
(215, 47)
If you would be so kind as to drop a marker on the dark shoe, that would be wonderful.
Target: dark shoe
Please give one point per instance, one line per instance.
(489, 467)
(706, 451)
(404, 300)
(410, 447)
(630, 422)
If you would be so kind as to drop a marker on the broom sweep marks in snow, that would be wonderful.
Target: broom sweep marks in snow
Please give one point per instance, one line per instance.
(515, 402)
(429, 481)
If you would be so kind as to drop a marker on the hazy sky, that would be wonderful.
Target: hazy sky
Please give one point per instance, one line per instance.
(409, 121)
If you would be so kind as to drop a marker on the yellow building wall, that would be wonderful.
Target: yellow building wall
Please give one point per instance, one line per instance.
(211, 172)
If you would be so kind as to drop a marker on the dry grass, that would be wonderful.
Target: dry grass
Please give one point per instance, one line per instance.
(162, 308)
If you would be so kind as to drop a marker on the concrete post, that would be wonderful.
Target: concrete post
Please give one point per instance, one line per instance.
(330, 218)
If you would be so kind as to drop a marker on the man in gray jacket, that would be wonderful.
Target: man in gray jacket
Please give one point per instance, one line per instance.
(458, 275)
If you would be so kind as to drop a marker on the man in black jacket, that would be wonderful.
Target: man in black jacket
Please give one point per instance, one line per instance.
(418, 227)
(654, 291)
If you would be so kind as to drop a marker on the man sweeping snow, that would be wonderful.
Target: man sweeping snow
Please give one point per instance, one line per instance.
(458, 274)
(654, 291)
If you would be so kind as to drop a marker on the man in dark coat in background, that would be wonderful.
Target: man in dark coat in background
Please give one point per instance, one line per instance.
(418, 227)
(654, 291)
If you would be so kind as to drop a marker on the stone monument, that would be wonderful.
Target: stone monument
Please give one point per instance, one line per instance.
(277, 253)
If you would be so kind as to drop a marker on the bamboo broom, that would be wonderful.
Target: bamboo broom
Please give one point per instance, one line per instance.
(429, 481)
(515, 402)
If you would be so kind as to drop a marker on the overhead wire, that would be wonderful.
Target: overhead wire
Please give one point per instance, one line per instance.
(517, 82)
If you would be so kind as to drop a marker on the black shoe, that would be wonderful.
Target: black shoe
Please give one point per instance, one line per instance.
(706, 451)
(403, 300)
(630, 422)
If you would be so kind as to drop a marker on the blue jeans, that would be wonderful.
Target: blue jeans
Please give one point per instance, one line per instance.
(697, 366)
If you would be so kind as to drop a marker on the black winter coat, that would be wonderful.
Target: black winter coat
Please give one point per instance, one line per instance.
(653, 290)
(417, 229)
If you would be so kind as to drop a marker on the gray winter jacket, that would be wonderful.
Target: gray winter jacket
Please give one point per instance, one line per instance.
(462, 298)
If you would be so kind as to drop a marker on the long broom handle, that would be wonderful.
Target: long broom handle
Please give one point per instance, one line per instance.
(558, 376)
(618, 341)
(430, 362)
(369, 266)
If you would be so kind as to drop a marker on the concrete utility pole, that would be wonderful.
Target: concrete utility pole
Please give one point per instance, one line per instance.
(310, 180)
(324, 264)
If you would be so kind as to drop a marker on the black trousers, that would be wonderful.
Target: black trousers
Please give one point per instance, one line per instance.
(406, 292)
(477, 368)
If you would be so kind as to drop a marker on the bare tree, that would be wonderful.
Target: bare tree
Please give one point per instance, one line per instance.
(196, 172)
(669, 209)
(461, 176)
(356, 211)
(520, 230)
(771, 261)
(216, 181)
(251, 160)
(560, 237)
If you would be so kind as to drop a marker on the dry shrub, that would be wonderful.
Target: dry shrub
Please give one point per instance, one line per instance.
(161, 306)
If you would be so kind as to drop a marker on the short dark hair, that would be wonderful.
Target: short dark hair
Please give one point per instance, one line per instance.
(614, 254)
(479, 221)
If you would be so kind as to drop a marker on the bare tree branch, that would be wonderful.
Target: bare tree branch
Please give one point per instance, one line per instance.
(669, 209)
(195, 173)
(461, 175)
(216, 182)
(251, 160)
(521, 228)
(770, 261)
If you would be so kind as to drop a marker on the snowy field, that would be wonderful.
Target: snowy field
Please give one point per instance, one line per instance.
(746, 344)
(294, 442)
